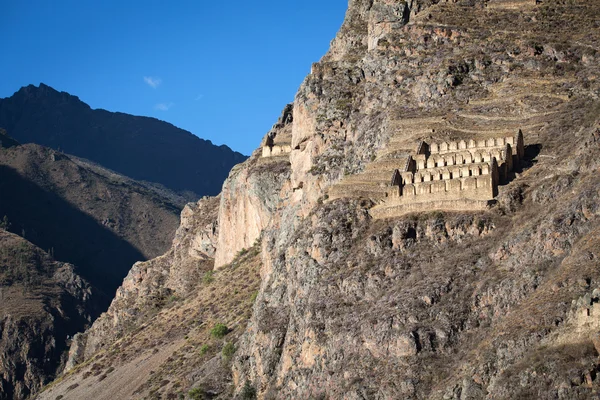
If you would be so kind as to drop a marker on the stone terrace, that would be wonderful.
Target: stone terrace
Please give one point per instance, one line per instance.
(510, 106)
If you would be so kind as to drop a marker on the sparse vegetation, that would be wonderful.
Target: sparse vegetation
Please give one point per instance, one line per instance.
(196, 393)
(204, 349)
(228, 350)
(5, 224)
(445, 293)
(241, 253)
(219, 331)
(208, 277)
(248, 392)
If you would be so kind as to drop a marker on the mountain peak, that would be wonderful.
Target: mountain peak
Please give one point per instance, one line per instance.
(43, 91)
(140, 147)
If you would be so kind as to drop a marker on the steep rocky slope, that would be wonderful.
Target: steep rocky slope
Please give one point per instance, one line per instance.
(96, 219)
(441, 305)
(142, 148)
(44, 303)
(156, 338)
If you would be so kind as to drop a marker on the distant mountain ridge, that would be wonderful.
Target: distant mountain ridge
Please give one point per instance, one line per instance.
(96, 219)
(142, 148)
(70, 230)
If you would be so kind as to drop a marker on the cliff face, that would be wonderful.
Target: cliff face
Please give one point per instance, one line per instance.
(152, 284)
(441, 305)
(455, 305)
(252, 197)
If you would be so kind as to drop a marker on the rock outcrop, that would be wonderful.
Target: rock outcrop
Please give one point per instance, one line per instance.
(252, 196)
(149, 285)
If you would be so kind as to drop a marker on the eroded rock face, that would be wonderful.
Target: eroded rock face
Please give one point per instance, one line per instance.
(252, 196)
(156, 338)
(247, 203)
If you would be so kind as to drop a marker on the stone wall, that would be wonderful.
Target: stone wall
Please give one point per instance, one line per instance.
(276, 150)
(478, 182)
(395, 210)
(472, 144)
(456, 175)
(447, 173)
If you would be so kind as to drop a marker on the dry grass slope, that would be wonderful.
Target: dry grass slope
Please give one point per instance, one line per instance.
(172, 350)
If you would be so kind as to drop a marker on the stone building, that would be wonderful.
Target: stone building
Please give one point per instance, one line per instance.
(459, 175)
(274, 150)
(278, 141)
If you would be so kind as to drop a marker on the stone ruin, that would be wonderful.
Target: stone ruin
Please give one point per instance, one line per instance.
(461, 175)
(270, 149)
(278, 141)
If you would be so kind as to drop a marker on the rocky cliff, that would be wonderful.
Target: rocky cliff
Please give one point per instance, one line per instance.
(139, 147)
(451, 305)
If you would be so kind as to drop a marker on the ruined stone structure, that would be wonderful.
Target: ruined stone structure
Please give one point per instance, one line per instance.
(278, 141)
(461, 175)
(276, 149)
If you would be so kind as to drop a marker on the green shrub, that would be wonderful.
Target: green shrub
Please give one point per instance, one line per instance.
(228, 350)
(241, 253)
(248, 391)
(253, 297)
(219, 331)
(208, 277)
(204, 349)
(196, 393)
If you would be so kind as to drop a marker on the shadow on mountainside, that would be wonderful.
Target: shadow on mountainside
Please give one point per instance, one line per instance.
(531, 153)
(53, 224)
(142, 148)
(44, 303)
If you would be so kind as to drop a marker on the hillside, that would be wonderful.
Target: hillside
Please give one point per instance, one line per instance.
(44, 303)
(498, 302)
(81, 213)
(142, 148)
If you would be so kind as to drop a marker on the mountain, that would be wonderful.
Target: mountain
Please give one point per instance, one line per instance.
(84, 214)
(139, 147)
(442, 296)
(44, 303)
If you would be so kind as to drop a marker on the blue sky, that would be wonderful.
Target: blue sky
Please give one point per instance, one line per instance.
(222, 70)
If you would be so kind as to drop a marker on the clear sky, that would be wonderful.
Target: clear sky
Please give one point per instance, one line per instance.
(221, 70)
